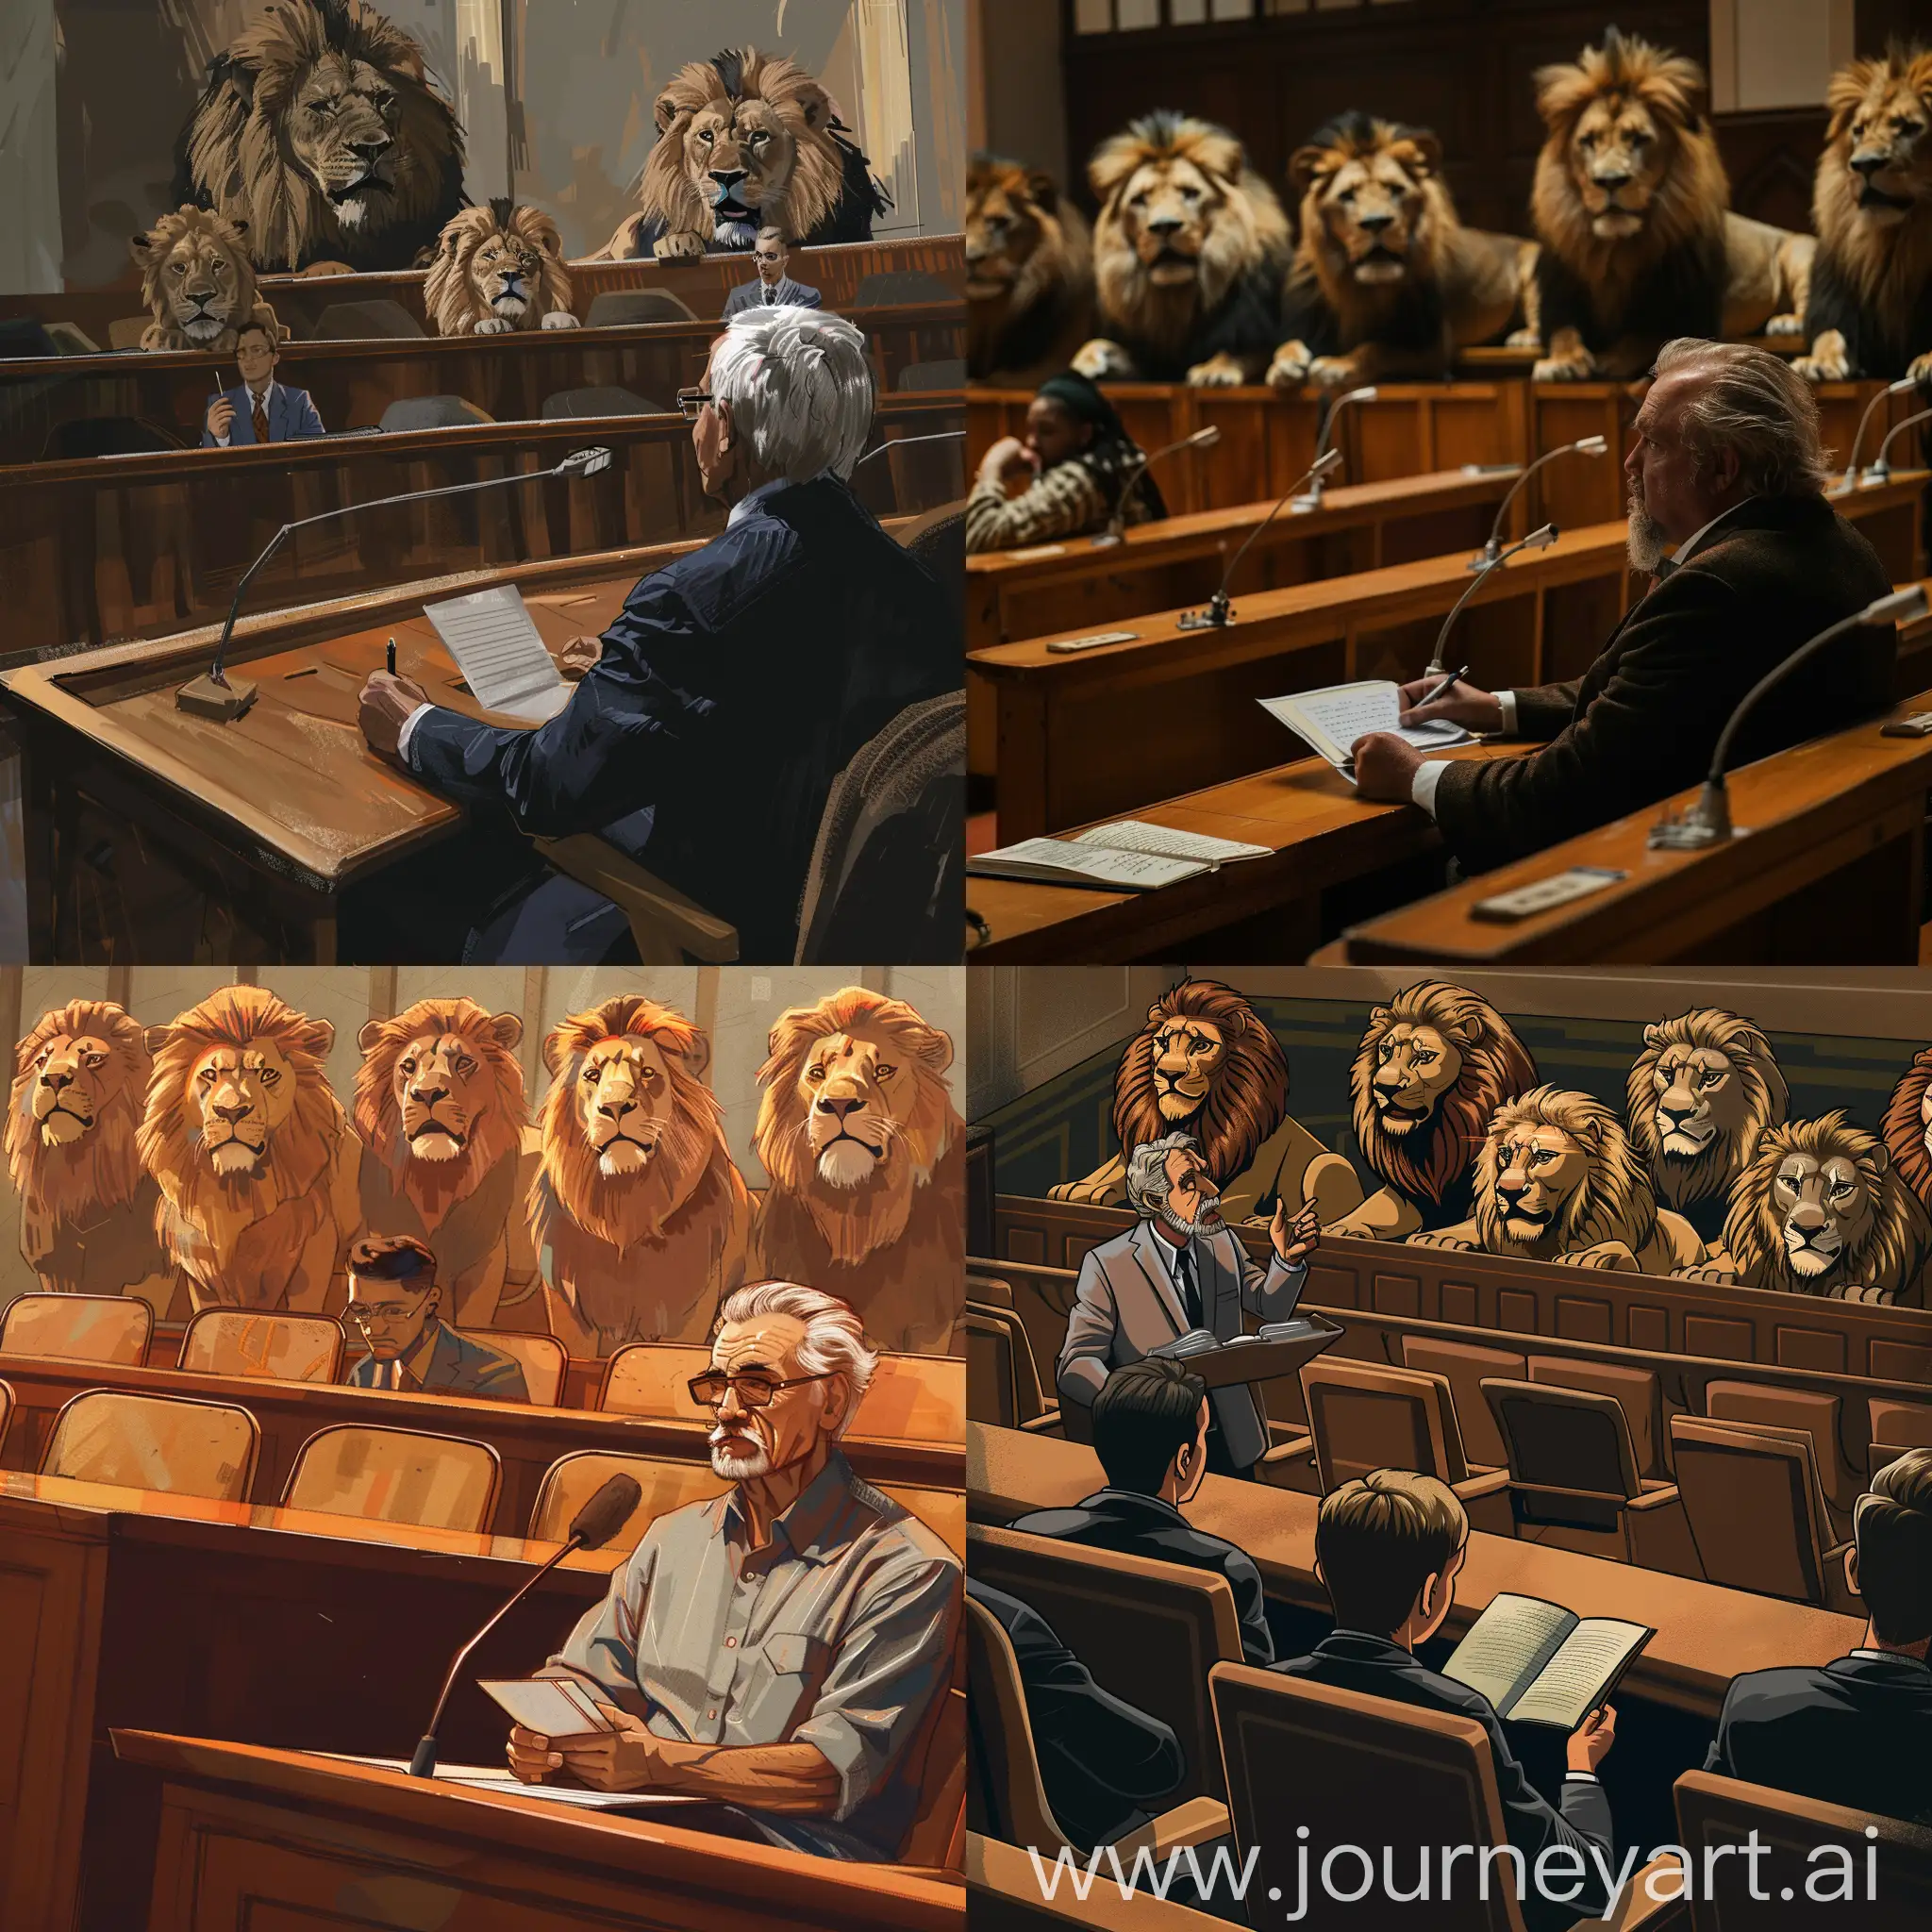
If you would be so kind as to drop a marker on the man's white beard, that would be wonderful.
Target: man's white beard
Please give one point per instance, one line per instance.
(737, 1469)
(1646, 543)
(1208, 1222)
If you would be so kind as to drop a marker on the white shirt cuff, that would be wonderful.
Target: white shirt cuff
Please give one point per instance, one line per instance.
(1581, 1777)
(1506, 699)
(408, 725)
(1422, 788)
(222, 440)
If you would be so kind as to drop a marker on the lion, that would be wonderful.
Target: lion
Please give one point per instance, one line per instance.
(1206, 1064)
(746, 140)
(499, 267)
(254, 1159)
(1907, 1127)
(1822, 1211)
(866, 1157)
(1871, 306)
(198, 282)
(1632, 213)
(317, 129)
(1558, 1180)
(1432, 1069)
(639, 1216)
(1029, 273)
(440, 1108)
(87, 1209)
(1385, 280)
(1700, 1096)
(1190, 254)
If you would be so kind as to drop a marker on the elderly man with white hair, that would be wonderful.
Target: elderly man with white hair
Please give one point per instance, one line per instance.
(781, 1647)
(713, 715)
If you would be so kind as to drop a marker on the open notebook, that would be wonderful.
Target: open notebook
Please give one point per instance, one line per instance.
(1131, 855)
(1332, 719)
(1541, 1664)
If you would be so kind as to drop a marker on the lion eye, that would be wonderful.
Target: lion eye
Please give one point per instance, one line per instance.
(706, 135)
(95, 1059)
(207, 1077)
(1712, 1077)
(592, 1074)
(760, 139)
(885, 1072)
(815, 1073)
(406, 1068)
(269, 1078)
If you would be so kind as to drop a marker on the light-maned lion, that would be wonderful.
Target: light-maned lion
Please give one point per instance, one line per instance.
(866, 1155)
(1188, 255)
(1558, 1180)
(1700, 1095)
(1907, 1127)
(1433, 1067)
(1871, 308)
(1029, 273)
(1822, 1211)
(1632, 215)
(747, 141)
(87, 1211)
(499, 267)
(440, 1110)
(317, 128)
(198, 282)
(1206, 1064)
(256, 1162)
(1385, 280)
(638, 1214)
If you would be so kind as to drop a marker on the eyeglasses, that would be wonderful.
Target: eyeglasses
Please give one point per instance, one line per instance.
(753, 1392)
(691, 402)
(381, 1311)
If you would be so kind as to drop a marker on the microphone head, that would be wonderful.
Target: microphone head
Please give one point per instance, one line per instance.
(1541, 539)
(1900, 606)
(1592, 446)
(1329, 463)
(1357, 395)
(606, 1512)
(585, 462)
(1205, 438)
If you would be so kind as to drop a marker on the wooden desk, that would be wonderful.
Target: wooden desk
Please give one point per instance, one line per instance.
(251, 1835)
(1705, 1635)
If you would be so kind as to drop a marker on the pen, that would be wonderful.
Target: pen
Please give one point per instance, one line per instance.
(391, 656)
(1429, 697)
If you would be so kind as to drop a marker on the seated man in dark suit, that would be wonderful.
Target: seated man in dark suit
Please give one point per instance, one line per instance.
(715, 713)
(1150, 1431)
(1726, 468)
(394, 1302)
(1858, 1731)
(774, 288)
(1388, 1548)
(1102, 1760)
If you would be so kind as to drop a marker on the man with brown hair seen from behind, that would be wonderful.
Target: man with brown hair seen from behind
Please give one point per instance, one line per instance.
(1388, 1548)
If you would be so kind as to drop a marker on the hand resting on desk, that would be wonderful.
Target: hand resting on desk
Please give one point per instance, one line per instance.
(1385, 765)
(578, 657)
(384, 707)
(1463, 704)
(630, 1758)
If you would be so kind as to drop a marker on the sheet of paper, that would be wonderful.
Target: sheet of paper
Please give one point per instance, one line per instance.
(499, 651)
(1507, 1645)
(1573, 1679)
(1164, 842)
(1331, 719)
(484, 1777)
(550, 1706)
(1036, 857)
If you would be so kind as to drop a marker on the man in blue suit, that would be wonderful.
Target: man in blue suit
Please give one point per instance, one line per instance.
(261, 410)
(394, 1302)
(774, 288)
(715, 713)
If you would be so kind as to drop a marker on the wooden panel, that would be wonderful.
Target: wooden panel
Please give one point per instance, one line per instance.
(1516, 1310)
(1459, 1302)
(1899, 1362)
(1330, 1287)
(1026, 1245)
(1718, 1336)
(1811, 1348)
(1396, 1294)
(1583, 1320)
(1647, 1327)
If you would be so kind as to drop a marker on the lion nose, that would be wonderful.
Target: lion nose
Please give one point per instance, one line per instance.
(727, 178)
(371, 147)
(1611, 182)
(1808, 1217)
(1869, 164)
(1374, 223)
(616, 1109)
(56, 1077)
(838, 1108)
(231, 1114)
(1165, 224)
(428, 1096)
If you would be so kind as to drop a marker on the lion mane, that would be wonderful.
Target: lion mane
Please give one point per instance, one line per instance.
(1903, 1128)
(249, 145)
(1681, 1184)
(464, 296)
(205, 306)
(1614, 1202)
(1029, 272)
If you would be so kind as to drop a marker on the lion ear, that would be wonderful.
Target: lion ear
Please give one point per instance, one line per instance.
(155, 1039)
(554, 1055)
(509, 1031)
(1044, 191)
(370, 1035)
(1381, 1016)
(319, 1037)
(1654, 1034)
(141, 246)
(665, 111)
(814, 103)
(697, 1057)
(1308, 164)
(935, 1048)
(1420, 153)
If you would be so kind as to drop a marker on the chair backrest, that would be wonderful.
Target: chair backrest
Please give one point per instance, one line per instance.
(1757, 1514)
(1903, 1424)
(1365, 1770)
(1367, 1415)
(5, 1410)
(1005, 1795)
(668, 1483)
(1638, 1391)
(278, 1348)
(1463, 1365)
(987, 1291)
(936, 1838)
(947, 372)
(914, 1398)
(942, 1511)
(1817, 1413)
(107, 436)
(377, 319)
(653, 1378)
(79, 1327)
(601, 399)
(543, 1359)
(1002, 1382)
(125, 331)
(396, 1476)
(1116, 1613)
(168, 1443)
(886, 288)
(1569, 1453)
(432, 412)
(617, 307)
(937, 538)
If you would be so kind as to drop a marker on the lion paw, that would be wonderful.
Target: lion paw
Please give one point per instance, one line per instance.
(1101, 361)
(1221, 371)
(1290, 367)
(682, 245)
(1787, 324)
(1859, 1292)
(1555, 368)
(1439, 1238)
(1821, 367)
(561, 318)
(1710, 1272)
(492, 325)
(1331, 372)
(1604, 1255)
(1524, 338)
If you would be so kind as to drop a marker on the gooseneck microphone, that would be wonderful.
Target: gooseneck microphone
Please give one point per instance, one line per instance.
(1492, 551)
(1536, 540)
(1904, 386)
(1116, 523)
(1880, 472)
(1219, 612)
(592, 1526)
(907, 442)
(1312, 500)
(211, 695)
(1707, 821)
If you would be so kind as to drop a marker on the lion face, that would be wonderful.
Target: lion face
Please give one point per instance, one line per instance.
(1167, 213)
(624, 1103)
(1884, 144)
(195, 274)
(1699, 1098)
(342, 133)
(737, 155)
(240, 1095)
(855, 1091)
(439, 1086)
(70, 1077)
(1824, 1207)
(1619, 154)
(1372, 209)
(1539, 1170)
(1187, 1053)
(1008, 211)
(1415, 1065)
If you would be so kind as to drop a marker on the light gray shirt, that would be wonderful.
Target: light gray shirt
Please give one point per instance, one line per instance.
(838, 1633)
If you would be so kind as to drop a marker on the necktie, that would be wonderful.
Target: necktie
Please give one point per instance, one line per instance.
(1190, 1295)
(262, 419)
(770, 296)
(1665, 565)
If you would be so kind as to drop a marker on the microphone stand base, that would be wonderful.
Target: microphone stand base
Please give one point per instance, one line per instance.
(1210, 618)
(209, 696)
(1482, 560)
(424, 1763)
(1301, 505)
(1704, 822)
(1106, 540)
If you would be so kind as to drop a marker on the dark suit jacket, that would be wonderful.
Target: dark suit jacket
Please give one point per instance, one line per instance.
(1643, 722)
(1857, 1733)
(1138, 1526)
(1101, 1760)
(735, 685)
(291, 414)
(751, 294)
(1373, 1666)
(459, 1365)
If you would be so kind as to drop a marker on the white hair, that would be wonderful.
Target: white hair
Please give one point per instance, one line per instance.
(1147, 1182)
(834, 1339)
(1755, 404)
(799, 387)
(771, 233)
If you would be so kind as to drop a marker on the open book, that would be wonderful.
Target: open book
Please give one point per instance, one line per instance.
(1541, 1664)
(1131, 855)
(1331, 719)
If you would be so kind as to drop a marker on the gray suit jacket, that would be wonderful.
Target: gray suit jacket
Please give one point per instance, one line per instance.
(1127, 1305)
(459, 1365)
(752, 295)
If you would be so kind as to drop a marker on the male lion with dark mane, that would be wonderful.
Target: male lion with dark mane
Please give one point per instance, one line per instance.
(1206, 1064)
(1188, 255)
(1631, 207)
(637, 1211)
(1907, 1127)
(1434, 1066)
(198, 282)
(1871, 308)
(866, 1155)
(1029, 273)
(1385, 280)
(1556, 1180)
(499, 267)
(317, 129)
(1822, 1211)
(256, 1162)
(87, 1211)
(746, 140)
